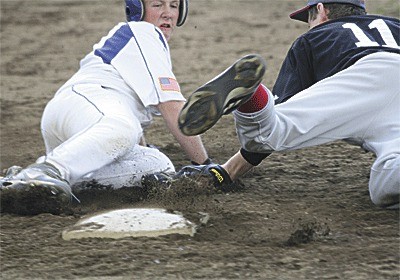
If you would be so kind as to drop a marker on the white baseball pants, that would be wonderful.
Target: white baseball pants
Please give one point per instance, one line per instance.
(93, 133)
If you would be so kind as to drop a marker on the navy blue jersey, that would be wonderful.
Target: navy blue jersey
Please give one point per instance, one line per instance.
(332, 47)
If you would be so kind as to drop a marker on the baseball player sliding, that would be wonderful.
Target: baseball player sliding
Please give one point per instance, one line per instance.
(93, 127)
(339, 81)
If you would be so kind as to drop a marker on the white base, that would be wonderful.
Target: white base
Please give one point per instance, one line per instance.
(132, 222)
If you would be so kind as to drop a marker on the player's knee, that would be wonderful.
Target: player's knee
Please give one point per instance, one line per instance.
(385, 199)
(384, 183)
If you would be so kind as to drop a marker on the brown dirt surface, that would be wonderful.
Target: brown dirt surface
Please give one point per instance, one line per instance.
(299, 215)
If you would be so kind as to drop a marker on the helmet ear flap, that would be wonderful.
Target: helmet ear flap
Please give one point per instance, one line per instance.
(183, 12)
(134, 10)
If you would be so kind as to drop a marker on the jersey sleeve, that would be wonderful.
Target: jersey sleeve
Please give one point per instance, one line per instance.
(140, 54)
(296, 73)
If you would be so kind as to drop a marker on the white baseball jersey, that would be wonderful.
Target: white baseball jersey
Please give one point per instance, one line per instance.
(134, 59)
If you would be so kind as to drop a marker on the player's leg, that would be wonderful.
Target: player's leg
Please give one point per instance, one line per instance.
(129, 170)
(384, 182)
(383, 137)
(86, 128)
(340, 107)
(359, 104)
(221, 95)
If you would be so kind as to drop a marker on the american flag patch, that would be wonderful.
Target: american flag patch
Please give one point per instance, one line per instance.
(169, 84)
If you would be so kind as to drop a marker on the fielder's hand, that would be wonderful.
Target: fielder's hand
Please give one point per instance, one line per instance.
(220, 177)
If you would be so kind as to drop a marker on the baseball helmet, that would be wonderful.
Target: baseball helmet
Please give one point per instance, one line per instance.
(134, 10)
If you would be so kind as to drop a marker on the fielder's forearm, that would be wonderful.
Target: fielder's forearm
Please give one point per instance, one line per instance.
(237, 166)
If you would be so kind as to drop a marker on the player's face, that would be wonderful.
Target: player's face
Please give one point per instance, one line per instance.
(163, 14)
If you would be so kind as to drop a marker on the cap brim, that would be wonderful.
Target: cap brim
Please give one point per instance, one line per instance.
(301, 14)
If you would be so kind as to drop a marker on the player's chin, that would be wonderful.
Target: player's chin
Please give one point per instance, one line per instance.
(167, 31)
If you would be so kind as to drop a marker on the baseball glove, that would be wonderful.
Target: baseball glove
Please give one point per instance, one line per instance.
(220, 177)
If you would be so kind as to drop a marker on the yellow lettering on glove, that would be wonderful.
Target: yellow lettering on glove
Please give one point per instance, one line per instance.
(220, 178)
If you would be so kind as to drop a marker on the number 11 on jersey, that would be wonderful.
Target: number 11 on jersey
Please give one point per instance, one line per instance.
(383, 29)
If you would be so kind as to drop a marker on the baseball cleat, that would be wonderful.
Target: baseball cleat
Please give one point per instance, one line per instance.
(36, 189)
(221, 95)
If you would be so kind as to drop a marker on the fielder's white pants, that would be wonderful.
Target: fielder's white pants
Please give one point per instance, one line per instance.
(92, 133)
(360, 104)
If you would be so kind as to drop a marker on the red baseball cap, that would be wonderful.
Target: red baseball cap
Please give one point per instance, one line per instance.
(302, 14)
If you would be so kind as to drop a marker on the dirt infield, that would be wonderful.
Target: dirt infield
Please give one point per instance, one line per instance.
(299, 215)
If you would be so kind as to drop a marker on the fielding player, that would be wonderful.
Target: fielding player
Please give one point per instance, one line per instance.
(339, 81)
